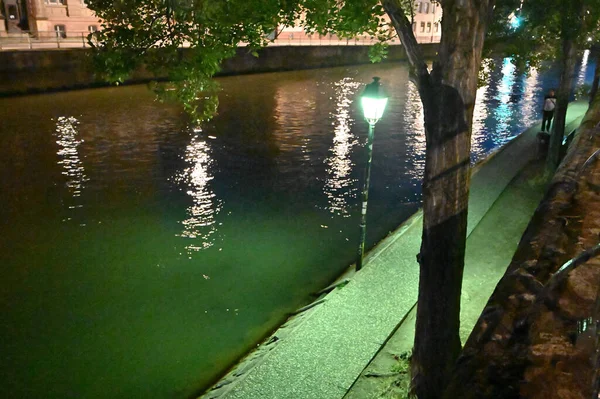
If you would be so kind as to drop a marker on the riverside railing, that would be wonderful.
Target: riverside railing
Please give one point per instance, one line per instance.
(292, 39)
(72, 39)
(43, 40)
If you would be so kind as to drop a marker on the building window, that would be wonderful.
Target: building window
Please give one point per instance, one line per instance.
(433, 8)
(92, 28)
(428, 27)
(61, 2)
(420, 7)
(436, 26)
(60, 31)
(426, 8)
(422, 26)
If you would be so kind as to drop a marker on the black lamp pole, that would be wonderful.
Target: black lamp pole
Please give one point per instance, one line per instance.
(365, 198)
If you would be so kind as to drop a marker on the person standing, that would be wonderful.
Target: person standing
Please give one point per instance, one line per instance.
(549, 106)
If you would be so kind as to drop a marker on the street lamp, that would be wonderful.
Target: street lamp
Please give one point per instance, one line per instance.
(373, 103)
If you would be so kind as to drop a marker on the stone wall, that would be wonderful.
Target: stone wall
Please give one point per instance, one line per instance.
(23, 72)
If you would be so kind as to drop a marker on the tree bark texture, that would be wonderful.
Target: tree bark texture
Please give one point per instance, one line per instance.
(448, 97)
(571, 26)
(565, 87)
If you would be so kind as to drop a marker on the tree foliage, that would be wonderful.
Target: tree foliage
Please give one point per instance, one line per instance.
(152, 32)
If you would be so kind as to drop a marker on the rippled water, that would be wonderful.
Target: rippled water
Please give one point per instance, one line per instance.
(141, 255)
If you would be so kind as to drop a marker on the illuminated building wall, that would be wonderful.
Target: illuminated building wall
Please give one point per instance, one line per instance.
(48, 18)
(427, 22)
(72, 18)
(426, 27)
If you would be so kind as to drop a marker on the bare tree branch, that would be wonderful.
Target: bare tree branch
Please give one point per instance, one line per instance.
(404, 29)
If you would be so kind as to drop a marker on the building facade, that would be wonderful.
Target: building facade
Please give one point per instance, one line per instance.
(427, 22)
(426, 27)
(47, 18)
(72, 19)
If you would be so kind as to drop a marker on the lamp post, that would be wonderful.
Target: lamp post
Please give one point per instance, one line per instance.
(373, 103)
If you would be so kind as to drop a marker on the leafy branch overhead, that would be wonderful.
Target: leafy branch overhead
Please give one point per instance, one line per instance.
(152, 33)
(532, 31)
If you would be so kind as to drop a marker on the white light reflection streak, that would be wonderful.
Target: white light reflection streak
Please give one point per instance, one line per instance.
(503, 111)
(68, 153)
(415, 133)
(200, 224)
(339, 185)
(583, 69)
(530, 106)
(480, 114)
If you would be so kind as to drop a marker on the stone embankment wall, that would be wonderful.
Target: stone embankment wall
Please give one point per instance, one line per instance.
(23, 72)
(528, 342)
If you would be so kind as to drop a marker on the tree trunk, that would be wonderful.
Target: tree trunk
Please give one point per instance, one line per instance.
(448, 97)
(571, 26)
(569, 59)
(445, 199)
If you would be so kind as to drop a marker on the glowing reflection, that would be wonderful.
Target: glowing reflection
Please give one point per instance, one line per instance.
(503, 112)
(530, 106)
(200, 224)
(338, 184)
(480, 115)
(295, 108)
(583, 69)
(68, 153)
(415, 133)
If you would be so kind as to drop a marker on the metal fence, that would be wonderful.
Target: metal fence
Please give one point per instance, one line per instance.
(43, 40)
(304, 40)
(72, 39)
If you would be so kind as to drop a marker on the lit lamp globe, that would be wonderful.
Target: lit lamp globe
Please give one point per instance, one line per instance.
(373, 105)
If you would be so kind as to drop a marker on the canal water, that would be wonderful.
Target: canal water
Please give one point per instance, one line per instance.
(142, 255)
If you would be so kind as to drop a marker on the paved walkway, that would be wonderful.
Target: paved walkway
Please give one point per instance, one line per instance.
(489, 248)
(321, 355)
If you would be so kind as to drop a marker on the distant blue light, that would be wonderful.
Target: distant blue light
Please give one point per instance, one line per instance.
(514, 21)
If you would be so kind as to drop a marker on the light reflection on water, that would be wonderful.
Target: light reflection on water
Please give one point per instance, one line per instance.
(200, 226)
(412, 119)
(295, 137)
(480, 114)
(295, 109)
(503, 112)
(507, 105)
(339, 185)
(530, 106)
(68, 154)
